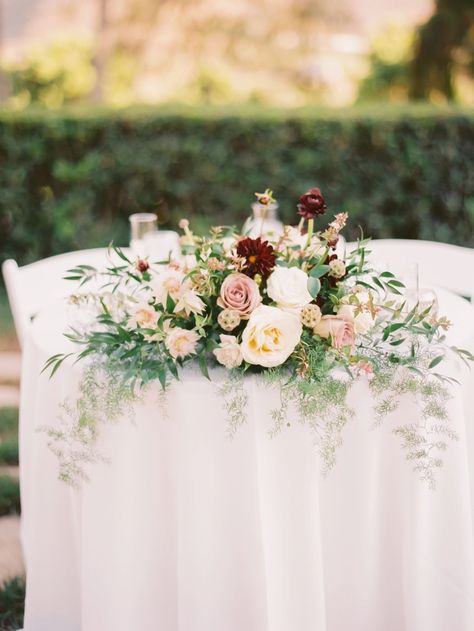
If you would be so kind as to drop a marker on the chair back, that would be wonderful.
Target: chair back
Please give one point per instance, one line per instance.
(31, 287)
(439, 264)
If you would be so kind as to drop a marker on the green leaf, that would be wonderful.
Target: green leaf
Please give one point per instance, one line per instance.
(121, 254)
(377, 282)
(319, 271)
(314, 286)
(170, 304)
(391, 328)
(434, 362)
(398, 342)
(364, 284)
(203, 366)
(162, 376)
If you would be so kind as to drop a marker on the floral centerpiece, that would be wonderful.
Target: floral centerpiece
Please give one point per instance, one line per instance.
(295, 310)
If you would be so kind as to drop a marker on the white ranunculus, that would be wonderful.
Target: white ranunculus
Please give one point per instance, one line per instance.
(363, 321)
(288, 287)
(270, 336)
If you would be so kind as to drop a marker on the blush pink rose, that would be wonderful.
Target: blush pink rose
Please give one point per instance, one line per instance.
(239, 293)
(339, 328)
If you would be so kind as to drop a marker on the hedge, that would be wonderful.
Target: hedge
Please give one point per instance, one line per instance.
(70, 179)
(9, 495)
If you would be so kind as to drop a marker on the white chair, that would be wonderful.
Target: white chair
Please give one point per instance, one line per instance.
(439, 264)
(35, 285)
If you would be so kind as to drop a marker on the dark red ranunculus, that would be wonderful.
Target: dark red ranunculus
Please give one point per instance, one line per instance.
(259, 256)
(312, 204)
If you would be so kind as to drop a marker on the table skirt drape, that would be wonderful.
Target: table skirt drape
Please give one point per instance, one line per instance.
(186, 529)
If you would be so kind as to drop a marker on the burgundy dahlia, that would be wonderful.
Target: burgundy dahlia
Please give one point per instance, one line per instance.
(311, 204)
(259, 256)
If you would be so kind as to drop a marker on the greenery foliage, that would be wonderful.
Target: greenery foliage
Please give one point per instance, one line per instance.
(70, 179)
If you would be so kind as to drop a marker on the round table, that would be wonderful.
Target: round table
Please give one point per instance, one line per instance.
(187, 530)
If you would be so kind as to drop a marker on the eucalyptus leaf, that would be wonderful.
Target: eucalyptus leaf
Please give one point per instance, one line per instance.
(319, 271)
(434, 362)
(314, 286)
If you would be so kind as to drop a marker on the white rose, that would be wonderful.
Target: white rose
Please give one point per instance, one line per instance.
(363, 321)
(228, 353)
(270, 336)
(288, 287)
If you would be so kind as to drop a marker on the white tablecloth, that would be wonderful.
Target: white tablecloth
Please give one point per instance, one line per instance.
(187, 530)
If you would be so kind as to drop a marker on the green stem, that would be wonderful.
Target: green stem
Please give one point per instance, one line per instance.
(310, 232)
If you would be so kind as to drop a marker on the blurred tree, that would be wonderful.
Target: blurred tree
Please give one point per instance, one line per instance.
(100, 57)
(55, 74)
(445, 44)
(389, 72)
(4, 82)
(255, 46)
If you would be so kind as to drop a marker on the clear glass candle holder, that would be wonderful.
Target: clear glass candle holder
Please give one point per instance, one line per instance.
(141, 224)
(264, 222)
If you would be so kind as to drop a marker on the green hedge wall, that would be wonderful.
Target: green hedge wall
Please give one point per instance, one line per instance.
(70, 179)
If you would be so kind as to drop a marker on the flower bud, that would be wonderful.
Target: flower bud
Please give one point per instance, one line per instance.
(337, 268)
(142, 265)
(311, 316)
(228, 319)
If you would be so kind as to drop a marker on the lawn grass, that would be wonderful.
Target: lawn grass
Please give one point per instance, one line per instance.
(9, 452)
(9, 495)
(12, 604)
(8, 437)
(8, 423)
(8, 341)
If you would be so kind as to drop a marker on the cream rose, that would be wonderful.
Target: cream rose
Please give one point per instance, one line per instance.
(228, 353)
(270, 336)
(288, 287)
(339, 328)
(239, 293)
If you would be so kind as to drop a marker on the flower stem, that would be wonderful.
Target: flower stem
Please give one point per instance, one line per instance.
(310, 232)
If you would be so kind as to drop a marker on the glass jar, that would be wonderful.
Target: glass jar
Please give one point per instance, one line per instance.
(264, 222)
